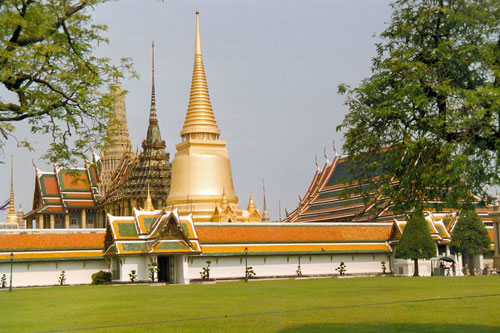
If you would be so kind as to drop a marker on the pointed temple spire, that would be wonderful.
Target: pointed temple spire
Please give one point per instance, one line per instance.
(120, 143)
(153, 138)
(265, 213)
(200, 120)
(12, 217)
(251, 205)
(149, 202)
(152, 113)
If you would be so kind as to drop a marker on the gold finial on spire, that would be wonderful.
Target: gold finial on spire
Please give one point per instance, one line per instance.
(149, 203)
(12, 217)
(200, 118)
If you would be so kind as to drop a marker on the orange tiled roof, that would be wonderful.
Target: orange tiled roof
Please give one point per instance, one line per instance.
(75, 181)
(20, 242)
(212, 232)
(50, 185)
(231, 249)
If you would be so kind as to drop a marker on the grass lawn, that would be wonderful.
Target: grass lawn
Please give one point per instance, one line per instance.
(355, 304)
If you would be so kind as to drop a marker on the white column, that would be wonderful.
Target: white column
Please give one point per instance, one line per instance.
(84, 219)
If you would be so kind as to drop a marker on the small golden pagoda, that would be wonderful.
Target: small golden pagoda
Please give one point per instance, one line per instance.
(202, 183)
(12, 217)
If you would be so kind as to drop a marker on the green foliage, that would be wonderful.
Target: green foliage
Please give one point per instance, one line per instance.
(384, 268)
(205, 273)
(249, 272)
(341, 269)
(416, 241)
(153, 270)
(3, 281)
(434, 98)
(62, 278)
(470, 236)
(51, 76)
(101, 276)
(133, 275)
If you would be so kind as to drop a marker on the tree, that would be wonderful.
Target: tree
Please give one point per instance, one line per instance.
(53, 80)
(433, 99)
(470, 237)
(416, 241)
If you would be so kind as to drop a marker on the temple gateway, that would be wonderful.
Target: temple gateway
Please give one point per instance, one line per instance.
(137, 214)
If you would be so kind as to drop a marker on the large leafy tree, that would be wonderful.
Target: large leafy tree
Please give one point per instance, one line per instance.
(434, 99)
(50, 77)
(416, 241)
(470, 237)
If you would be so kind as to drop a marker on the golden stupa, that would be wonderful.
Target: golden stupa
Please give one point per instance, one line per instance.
(12, 216)
(202, 183)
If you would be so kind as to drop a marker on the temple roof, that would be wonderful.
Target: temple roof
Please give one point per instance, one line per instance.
(151, 232)
(63, 189)
(51, 246)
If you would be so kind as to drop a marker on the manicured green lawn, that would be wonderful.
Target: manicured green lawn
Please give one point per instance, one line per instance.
(356, 304)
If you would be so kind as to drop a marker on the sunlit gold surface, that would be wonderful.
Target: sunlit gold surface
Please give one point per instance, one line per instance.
(202, 182)
(12, 217)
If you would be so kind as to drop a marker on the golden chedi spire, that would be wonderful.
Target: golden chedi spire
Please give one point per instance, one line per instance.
(251, 205)
(200, 120)
(12, 217)
(149, 203)
(202, 180)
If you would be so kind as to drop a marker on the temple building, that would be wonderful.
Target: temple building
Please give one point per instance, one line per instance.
(202, 182)
(325, 201)
(135, 176)
(66, 199)
(114, 152)
(198, 227)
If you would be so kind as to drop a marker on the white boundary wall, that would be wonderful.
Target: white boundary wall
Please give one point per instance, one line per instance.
(46, 273)
(227, 267)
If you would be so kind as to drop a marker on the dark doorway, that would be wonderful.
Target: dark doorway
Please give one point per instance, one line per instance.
(164, 269)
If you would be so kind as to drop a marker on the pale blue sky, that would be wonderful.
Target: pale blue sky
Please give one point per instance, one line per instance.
(272, 68)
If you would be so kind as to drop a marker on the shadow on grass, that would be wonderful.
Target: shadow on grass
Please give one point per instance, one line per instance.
(391, 327)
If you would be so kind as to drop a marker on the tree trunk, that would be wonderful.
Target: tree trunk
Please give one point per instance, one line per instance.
(415, 270)
(470, 258)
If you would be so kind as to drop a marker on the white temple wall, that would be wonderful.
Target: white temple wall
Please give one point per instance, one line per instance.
(285, 265)
(137, 263)
(180, 269)
(46, 273)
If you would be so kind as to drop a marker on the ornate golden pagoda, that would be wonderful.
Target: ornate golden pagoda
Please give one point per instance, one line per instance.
(144, 180)
(202, 183)
(114, 152)
(12, 217)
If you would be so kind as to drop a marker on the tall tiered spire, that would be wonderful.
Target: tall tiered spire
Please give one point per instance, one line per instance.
(12, 217)
(200, 120)
(152, 111)
(120, 144)
(153, 138)
(265, 213)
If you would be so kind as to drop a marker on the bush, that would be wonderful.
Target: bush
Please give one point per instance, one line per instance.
(100, 277)
(133, 275)
(62, 278)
